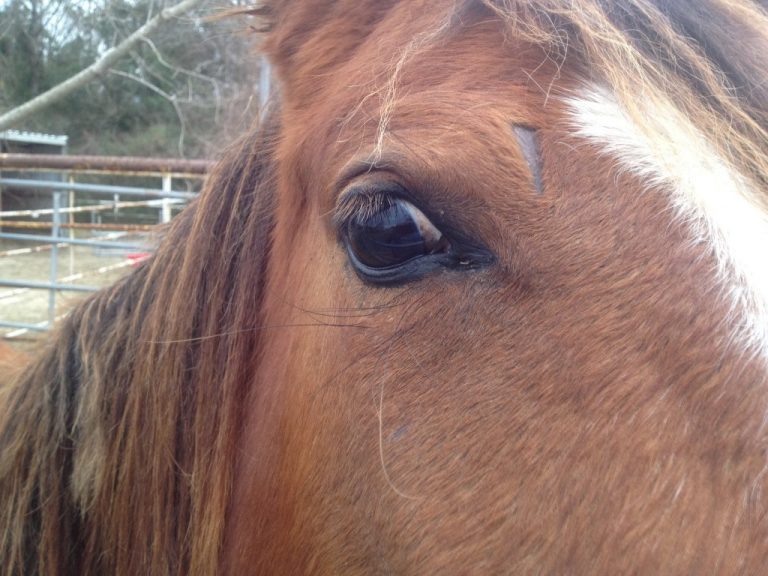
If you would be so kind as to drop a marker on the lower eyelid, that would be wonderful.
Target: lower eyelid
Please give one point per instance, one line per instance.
(410, 271)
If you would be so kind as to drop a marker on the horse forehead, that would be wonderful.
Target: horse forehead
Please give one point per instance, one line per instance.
(667, 152)
(450, 47)
(425, 87)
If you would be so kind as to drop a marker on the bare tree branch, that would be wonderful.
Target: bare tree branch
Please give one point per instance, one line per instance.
(203, 77)
(169, 97)
(103, 64)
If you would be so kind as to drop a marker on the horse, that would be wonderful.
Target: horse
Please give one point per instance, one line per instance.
(485, 292)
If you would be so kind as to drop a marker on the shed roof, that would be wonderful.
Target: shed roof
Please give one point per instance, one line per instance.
(34, 138)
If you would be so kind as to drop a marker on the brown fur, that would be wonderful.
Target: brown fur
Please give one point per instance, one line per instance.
(12, 361)
(244, 404)
(9, 355)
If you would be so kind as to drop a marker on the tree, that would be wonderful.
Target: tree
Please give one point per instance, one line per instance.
(155, 78)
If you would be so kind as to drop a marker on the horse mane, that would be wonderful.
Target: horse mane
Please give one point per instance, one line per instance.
(116, 446)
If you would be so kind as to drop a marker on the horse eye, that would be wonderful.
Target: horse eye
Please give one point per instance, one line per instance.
(396, 234)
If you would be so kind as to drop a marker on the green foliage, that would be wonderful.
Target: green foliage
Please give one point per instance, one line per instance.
(187, 80)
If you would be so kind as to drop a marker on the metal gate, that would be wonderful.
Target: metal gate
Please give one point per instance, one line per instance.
(59, 230)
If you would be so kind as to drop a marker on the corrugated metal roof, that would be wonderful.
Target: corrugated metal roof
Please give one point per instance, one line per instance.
(34, 137)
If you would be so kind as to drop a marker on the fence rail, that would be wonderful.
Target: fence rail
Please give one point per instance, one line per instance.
(93, 189)
(60, 217)
(132, 166)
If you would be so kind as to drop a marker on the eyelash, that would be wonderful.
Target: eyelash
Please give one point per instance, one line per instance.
(359, 202)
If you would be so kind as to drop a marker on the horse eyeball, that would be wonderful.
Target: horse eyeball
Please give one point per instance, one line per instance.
(396, 233)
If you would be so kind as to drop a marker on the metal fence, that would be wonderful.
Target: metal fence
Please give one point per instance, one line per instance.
(70, 198)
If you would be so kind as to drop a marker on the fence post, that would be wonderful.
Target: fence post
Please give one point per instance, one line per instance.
(165, 210)
(265, 77)
(71, 180)
(56, 228)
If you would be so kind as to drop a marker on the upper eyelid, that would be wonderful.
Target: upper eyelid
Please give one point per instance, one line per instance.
(360, 167)
(367, 193)
(391, 180)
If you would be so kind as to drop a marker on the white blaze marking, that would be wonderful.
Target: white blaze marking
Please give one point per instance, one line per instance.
(670, 152)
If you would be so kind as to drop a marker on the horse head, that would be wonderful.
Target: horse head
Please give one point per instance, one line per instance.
(485, 293)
